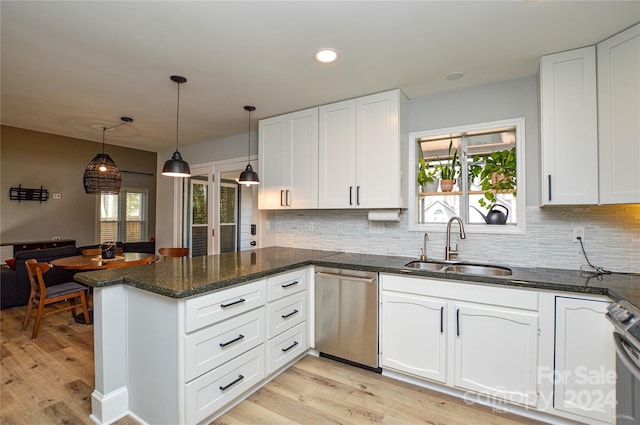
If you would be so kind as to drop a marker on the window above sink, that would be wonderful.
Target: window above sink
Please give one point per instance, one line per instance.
(470, 154)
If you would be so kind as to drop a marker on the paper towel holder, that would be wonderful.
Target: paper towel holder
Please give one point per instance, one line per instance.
(385, 215)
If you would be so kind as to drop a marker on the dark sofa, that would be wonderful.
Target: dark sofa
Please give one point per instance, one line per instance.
(14, 284)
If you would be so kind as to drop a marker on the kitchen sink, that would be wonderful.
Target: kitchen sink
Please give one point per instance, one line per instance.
(426, 265)
(476, 269)
(479, 269)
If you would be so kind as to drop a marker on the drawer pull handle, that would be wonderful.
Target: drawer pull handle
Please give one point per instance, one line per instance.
(241, 300)
(284, 316)
(290, 347)
(286, 285)
(226, 387)
(224, 344)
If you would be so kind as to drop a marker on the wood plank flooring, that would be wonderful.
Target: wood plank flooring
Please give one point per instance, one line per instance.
(49, 380)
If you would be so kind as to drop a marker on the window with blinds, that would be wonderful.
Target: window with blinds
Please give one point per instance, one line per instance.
(123, 217)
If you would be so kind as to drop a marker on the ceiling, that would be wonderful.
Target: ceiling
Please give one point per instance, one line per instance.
(72, 67)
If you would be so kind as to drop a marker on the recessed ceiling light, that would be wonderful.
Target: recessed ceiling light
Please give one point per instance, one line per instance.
(326, 55)
(455, 76)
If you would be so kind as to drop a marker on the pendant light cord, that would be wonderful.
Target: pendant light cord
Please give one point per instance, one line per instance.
(125, 120)
(249, 140)
(177, 116)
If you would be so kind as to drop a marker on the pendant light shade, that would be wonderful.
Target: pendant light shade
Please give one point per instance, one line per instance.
(176, 166)
(102, 174)
(248, 176)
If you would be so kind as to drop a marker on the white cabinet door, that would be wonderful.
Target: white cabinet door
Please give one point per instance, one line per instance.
(413, 335)
(569, 131)
(271, 139)
(496, 351)
(378, 158)
(301, 175)
(337, 155)
(584, 359)
(288, 157)
(619, 117)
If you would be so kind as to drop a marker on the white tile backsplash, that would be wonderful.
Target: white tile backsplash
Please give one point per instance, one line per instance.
(612, 237)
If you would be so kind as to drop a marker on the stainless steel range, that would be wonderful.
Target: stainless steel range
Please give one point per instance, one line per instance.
(626, 320)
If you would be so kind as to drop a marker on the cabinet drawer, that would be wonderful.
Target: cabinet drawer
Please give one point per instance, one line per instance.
(286, 284)
(208, 309)
(207, 394)
(285, 313)
(215, 345)
(286, 347)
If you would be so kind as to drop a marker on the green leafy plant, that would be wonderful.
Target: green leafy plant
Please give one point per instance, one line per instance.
(426, 174)
(498, 174)
(449, 169)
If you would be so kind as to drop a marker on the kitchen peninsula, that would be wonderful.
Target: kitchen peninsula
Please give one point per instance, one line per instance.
(152, 320)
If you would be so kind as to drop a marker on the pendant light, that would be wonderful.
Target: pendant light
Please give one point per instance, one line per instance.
(248, 176)
(176, 166)
(102, 174)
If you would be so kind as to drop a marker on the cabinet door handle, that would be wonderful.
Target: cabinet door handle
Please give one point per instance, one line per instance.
(290, 347)
(241, 300)
(285, 316)
(358, 195)
(238, 338)
(549, 178)
(442, 319)
(350, 195)
(282, 198)
(288, 198)
(231, 384)
(458, 322)
(286, 285)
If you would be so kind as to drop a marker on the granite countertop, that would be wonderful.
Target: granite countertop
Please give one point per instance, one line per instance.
(182, 278)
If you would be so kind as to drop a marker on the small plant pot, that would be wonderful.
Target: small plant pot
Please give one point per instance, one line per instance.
(446, 185)
(431, 186)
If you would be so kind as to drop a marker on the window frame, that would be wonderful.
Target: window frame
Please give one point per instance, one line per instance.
(413, 213)
(122, 216)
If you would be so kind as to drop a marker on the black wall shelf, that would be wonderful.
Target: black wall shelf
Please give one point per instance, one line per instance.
(25, 194)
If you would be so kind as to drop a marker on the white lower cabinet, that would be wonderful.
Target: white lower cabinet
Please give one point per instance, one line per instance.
(495, 351)
(478, 343)
(207, 394)
(418, 350)
(287, 315)
(584, 372)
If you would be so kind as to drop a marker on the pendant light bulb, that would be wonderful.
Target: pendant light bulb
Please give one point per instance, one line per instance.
(248, 176)
(176, 166)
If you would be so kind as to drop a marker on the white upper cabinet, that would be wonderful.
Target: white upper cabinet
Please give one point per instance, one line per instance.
(288, 156)
(619, 117)
(337, 155)
(569, 133)
(361, 152)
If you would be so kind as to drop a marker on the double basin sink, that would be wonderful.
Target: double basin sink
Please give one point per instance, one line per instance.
(464, 268)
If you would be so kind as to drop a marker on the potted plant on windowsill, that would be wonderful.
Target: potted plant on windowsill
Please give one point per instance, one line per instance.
(427, 180)
(449, 170)
(498, 175)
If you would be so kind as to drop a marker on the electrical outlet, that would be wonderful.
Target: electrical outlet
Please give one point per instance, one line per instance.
(57, 196)
(579, 232)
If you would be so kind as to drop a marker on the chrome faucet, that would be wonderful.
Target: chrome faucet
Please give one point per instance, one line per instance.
(448, 252)
(423, 257)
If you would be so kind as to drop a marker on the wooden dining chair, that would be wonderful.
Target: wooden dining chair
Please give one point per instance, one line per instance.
(173, 252)
(121, 264)
(41, 295)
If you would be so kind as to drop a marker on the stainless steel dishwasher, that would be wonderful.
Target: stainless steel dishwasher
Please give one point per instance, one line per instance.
(346, 316)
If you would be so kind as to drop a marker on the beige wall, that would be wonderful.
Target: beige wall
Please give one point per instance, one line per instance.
(57, 163)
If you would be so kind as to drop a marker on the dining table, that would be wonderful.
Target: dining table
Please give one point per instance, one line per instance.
(91, 262)
(87, 262)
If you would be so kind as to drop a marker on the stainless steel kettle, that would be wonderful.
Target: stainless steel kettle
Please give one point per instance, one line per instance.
(495, 216)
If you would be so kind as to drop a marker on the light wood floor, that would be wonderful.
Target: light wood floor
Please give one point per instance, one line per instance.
(49, 380)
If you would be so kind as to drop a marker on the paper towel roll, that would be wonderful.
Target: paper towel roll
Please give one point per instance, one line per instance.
(384, 215)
